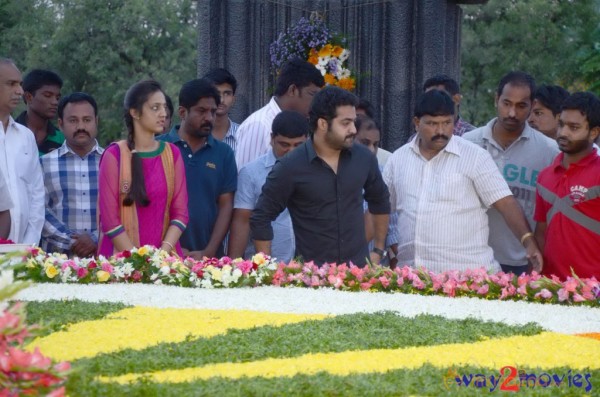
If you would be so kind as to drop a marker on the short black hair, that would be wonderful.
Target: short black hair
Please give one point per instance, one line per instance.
(290, 124)
(76, 97)
(434, 103)
(300, 73)
(367, 107)
(192, 91)
(517, 78)
(325, 103)
(222, 76)
(551, 96)
(37, 78)
(587, 103)
(448, 82)
(169, 105)
(366, 122)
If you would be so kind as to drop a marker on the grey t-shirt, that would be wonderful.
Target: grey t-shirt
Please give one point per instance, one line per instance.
(520, 164)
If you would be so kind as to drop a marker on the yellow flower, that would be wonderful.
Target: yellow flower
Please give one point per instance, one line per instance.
(216, 274)
(346, 83)
(329, 79)
(313, 56)
(325, 51)
(337, 51)
(259, 259)
(51, 271)
(143, 250)
(102, 276)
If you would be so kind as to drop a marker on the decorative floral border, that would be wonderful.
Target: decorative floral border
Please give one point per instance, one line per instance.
(148, 264)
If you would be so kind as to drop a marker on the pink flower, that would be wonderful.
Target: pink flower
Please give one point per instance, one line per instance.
(450, 288)
(335, 282)
(417, 283)
(578, 298)
(385, 282)
(522, 290)
(508, 291)
(82, 272)
(92, 265)
(563, 295)
(365, 286)
(315, 281)
(483, 290)
(137, 275)
(107, 267)
(244, 266)
(357, 272)
(571, 284)
(544, 294)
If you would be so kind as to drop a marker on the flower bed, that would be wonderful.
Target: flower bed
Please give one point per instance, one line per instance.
(150, 265)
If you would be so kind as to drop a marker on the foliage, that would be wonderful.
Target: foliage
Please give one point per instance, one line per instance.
(23, 372)
(544, 38)
(591, 64)
(102, 50)
(148, 264)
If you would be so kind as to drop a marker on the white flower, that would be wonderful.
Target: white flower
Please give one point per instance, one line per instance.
(344, 73)
(165, 270)
(344, 55)
(206, 283)
(6, 278)
(64, 276)
(324, 61)
(321, 69)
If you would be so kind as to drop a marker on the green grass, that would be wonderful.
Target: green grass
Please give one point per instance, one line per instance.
(54, 315)
(341, 333)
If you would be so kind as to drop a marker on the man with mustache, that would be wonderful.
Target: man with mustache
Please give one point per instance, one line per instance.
(567, 207)
(42, 93)
(323, 183)
(441, 186)
(19, 162)
(520, 153)
(210, 170)
(71, 180)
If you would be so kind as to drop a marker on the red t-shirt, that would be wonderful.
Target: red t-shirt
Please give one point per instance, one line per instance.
(568, 243)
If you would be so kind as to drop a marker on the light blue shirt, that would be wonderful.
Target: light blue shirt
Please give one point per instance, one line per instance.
(250, 182)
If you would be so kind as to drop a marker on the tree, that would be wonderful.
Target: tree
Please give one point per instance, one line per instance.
(542, 37)
(103, 48)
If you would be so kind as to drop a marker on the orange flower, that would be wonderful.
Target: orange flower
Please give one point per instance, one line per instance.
(313, 56)
(329, 79)
(346, 83)
(337, 51)
(325, 51)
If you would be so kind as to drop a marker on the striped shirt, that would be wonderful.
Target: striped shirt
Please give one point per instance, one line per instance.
(254, 134)
(71, 184)
(441, 205)
(231, 136)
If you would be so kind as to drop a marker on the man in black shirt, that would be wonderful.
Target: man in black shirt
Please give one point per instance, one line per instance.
(323, 184)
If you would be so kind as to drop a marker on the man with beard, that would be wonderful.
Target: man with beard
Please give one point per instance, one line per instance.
(71, 180)
(323, 183)
(41, 95)
(19, 162)
(520, 153)
(210, 170)
(441, 186)
(567, 207)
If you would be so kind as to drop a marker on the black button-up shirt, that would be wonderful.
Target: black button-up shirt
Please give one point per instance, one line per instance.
(326, 208)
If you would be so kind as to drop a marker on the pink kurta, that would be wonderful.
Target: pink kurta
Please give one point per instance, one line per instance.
(150, 218)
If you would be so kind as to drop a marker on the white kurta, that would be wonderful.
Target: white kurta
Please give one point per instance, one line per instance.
(20, 166)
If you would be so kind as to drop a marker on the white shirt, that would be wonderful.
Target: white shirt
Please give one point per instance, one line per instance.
(441, 205)
(20, 166)
(5, 200)
(254, 134)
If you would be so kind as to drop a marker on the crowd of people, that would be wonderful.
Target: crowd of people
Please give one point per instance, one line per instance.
(304, 176)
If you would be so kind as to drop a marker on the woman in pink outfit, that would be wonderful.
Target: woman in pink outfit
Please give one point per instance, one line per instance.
(142, 189)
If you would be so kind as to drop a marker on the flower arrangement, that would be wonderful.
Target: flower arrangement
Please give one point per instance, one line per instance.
(312, 40)
(148, 264)
(23, 372)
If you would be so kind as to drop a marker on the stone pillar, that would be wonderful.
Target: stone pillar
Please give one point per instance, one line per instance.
(395, 45)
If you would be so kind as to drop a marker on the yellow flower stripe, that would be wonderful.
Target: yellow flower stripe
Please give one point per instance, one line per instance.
(141, 327)
(546, 351)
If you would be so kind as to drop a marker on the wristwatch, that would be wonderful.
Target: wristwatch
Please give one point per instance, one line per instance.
(380, 252)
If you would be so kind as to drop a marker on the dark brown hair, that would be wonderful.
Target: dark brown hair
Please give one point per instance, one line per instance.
(135, 97)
